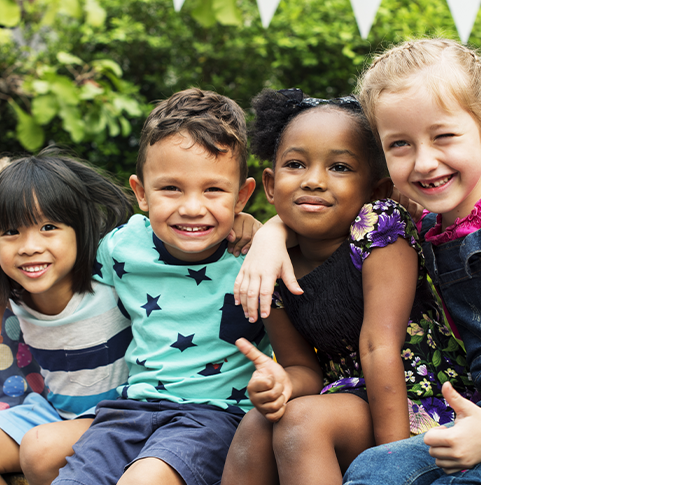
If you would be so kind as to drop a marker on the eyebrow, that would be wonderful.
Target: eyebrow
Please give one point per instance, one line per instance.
(306, 152)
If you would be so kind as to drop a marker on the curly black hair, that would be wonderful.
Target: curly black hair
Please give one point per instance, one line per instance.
(274, 111)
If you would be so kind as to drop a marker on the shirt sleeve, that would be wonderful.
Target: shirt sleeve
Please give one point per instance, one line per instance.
(102, 269)
(379, 224)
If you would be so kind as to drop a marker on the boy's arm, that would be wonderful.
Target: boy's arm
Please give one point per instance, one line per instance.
(296, 372)
(458, 447)
(241, 236)
(266, 261)
(389, 276)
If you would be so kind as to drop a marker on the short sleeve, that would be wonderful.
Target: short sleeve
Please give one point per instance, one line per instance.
(101, 270)
(379, 224)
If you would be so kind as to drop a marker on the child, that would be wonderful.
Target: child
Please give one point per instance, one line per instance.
(383, 350)
(186, 391)
(423, 101)
(53, 212)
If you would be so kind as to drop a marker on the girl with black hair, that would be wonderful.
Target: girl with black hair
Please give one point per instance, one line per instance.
(53, 212)
(363, 352)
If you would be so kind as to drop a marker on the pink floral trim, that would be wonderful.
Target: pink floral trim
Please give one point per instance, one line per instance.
(460, 228)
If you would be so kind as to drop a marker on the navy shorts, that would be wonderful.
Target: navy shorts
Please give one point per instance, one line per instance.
(192, 438)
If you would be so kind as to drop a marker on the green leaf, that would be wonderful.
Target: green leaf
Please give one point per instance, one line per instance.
(66, 91)
(73, 123)
(105, 65)
(126, 126)
(29, 133)
(442, 377)
(130, 105)
(9, 13)
(41, 87)
(44, 108)
(227, 12)
(90, 89)
(95, 15)
(71, 8)
(437, 357)
(203, 12)
(95, 121)
(66, 58)
(113, 126)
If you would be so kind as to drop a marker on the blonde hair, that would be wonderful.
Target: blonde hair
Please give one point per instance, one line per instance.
(443, 66)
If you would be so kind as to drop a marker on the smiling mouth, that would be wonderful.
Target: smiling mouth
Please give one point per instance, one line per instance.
(312, 201)
(435, 183)
(192, 229)
(35, 268)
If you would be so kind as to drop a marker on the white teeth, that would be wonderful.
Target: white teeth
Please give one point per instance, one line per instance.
(192, 229)
(35, 269)
(437, 183)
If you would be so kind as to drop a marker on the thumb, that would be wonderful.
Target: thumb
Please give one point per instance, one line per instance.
(252, 353)
(462, 406)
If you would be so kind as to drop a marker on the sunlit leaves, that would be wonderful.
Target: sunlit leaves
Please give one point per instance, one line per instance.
(29, 133)
(9, 13)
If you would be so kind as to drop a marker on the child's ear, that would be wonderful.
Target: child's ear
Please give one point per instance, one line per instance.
(382, 189)
(139, 191)
(244, 194)
(268, 180)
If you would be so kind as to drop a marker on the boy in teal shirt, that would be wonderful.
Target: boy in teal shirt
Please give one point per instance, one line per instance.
(186, 391)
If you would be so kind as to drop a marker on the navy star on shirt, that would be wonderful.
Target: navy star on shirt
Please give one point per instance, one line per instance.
(183, 342)
(161, 386)
(237, 394)
(97, 269)
(211, 369)
(151, 304)
(141, 362)
(119, 268)
(199, 276)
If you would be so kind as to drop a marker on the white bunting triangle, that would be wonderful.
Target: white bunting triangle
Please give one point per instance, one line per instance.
(464, 13)
(364, 11)
(267, 10)
(178, 4)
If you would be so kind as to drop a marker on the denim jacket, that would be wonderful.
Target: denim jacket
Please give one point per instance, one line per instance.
(455, 268)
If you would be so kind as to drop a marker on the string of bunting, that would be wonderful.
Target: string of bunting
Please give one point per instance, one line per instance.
(463, 12)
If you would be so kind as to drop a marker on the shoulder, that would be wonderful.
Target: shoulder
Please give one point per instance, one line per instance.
(138, 226)
(379, 224)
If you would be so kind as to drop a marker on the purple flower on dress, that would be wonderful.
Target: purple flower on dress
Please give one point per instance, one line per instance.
(381, 205)
(364, 222)
(357, 256)
(438, 410)
(389, 229)
(422, 370)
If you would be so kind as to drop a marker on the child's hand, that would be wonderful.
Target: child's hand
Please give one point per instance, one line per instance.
(241, 236)
(458, 447)
(413, 208)
(266, 261)
(269, 387)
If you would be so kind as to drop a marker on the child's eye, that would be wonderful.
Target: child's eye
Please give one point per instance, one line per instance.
(446, 135)
(10, 232)
(169, 188)
(399, 143)
(339, 167)
(48, 227)
(214, 189)
(294, 164)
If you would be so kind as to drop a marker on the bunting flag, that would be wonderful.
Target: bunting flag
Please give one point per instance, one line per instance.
(364, 11)
(464, 14)
(267, 10)
(178, 4)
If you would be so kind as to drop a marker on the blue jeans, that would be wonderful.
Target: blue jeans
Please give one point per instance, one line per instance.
(455, 269)
(405, 462)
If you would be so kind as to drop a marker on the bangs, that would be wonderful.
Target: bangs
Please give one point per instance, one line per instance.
(28, 190)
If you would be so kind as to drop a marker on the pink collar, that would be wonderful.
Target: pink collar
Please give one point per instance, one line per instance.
(460, 228)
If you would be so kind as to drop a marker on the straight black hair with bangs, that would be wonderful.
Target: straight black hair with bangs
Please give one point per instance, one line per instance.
(66, 190)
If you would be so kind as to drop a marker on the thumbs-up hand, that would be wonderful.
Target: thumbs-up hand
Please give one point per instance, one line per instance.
(458, 447)
(269, 387)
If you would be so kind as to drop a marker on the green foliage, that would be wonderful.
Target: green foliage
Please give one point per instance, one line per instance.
(84, 73)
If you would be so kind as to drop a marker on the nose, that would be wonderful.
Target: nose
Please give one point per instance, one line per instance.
(191, 206)
(314, 178)
(31, 243)
(426, 159)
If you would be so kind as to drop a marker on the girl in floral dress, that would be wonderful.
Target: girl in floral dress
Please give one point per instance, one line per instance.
(383, 350)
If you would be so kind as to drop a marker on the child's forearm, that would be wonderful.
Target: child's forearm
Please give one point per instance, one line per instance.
(386, 390)
(304, 381)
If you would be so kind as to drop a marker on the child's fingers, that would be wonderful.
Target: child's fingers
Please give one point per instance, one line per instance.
(252, 353)
(289, 278)
(462, 406)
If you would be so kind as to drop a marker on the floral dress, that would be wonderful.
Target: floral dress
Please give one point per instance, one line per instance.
(329, 316)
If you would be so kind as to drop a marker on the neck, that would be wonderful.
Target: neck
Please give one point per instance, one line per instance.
(311, 253)
(50, 302)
